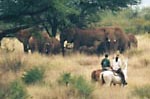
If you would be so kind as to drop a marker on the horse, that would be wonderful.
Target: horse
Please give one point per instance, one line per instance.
(109, 77)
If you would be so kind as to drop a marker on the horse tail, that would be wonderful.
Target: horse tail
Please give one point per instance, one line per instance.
(93, 76)
(103, 81)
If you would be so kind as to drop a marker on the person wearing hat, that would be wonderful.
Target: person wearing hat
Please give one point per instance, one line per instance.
(116, 66)
(105, 63)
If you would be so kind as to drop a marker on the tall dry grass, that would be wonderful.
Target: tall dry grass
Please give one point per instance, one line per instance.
(78, 65)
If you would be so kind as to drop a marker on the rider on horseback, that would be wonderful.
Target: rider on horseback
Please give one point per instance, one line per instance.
(105, 63)
(116, 65)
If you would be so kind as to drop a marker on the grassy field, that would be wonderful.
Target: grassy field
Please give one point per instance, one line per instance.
(14, 64)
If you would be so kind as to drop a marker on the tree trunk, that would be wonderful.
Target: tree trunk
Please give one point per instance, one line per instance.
(54, 30)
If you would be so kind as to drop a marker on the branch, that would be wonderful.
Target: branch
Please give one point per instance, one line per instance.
(7, 32)
(6, 17)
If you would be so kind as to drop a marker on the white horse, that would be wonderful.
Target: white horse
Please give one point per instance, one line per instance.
(109, 77)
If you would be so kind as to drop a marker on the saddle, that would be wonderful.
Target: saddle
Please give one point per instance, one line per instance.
(115, 73)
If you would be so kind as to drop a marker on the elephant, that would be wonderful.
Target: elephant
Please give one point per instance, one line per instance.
(53, 46)
(132, 40)
(67, 35)
(110, 42)
(115, 39)
(122, 39)
(36, 42)
(23, 36)
(88, 37)
(110, 39)
(81, 37)
(43, 43)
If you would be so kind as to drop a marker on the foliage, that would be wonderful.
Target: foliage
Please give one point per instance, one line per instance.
(133, 21)
(142, 92)
(141, 21)
(17, 90)
(56, 14)
(82, 86)
(65, 78)
(78, 83)
(13, 90)
(33, 75)
(3, 91)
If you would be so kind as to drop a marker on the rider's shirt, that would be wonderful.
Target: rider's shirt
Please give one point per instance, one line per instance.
(105, 62)
(116, 65)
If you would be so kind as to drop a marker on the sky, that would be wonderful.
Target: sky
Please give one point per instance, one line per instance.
(145, 3)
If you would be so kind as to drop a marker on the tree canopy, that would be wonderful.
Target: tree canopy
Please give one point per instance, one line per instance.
(55, 14)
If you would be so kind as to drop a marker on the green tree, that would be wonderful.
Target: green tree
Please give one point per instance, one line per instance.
(145, 14)
(56, 14)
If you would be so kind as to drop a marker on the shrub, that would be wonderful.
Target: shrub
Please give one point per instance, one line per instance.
(77, 83)
(17, 90)
(3, 91)
(65, 78)
(82, 86)
(33, 75)
(142, 92)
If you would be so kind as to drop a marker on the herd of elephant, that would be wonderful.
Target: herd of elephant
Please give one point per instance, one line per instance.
(90, 41)
(40, 42)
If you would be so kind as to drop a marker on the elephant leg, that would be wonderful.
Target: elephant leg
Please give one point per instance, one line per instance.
(76, 45)
(40, 48)
(32, 48)
(46, 48)
(62, 48)
(26, 47)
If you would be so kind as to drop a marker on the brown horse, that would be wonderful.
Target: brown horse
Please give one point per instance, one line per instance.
(95, 75)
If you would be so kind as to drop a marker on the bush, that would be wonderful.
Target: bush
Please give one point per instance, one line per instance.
(65, 78)
(82, 86)
(17, 91)
(142, 92)
(3, 91)
(33, 75)
(77, 83)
